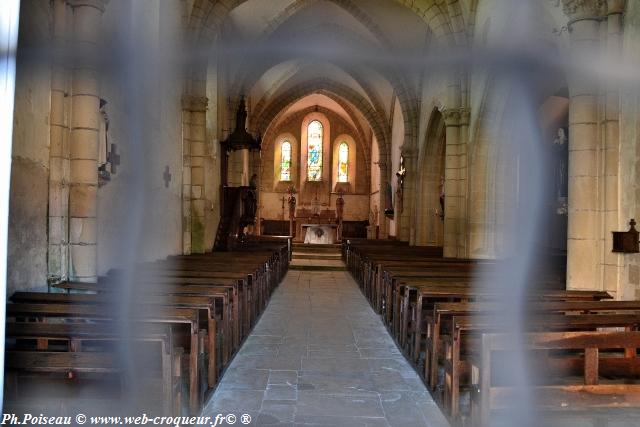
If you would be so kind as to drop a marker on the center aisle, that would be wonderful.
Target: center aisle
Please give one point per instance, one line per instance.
(320, 356)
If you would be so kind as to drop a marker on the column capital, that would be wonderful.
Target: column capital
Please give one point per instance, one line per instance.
(578, 10)
(408, 152)
(98, 4)
(452, 116)
(616, 6)
(194, 103)
(465, 116)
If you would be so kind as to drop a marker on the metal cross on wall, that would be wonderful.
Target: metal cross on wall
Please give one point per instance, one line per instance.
(113, 158)
(166, 176)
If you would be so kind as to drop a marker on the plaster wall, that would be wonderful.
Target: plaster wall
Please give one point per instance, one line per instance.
(139, 217)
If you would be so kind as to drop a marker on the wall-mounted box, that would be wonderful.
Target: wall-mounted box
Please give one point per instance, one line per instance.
(627, 242)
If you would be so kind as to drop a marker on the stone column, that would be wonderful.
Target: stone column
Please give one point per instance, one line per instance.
(452, 198)
(186, 175)
(59, 148)
(463, 194)
(613, 262)
(193, 179)
(384, 183)
(84, 136)
(583, 260)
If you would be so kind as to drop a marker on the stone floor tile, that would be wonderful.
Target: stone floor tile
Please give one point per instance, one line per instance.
(281, 392)
(283, 377)
(320, 356)
(341, 406)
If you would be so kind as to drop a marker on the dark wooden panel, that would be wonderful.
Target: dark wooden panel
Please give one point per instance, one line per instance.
(355, 229)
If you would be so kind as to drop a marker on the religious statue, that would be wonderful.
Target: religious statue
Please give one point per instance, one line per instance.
(402, 172)
(292, 210)
(292, 201)
(560, 149)
(340, 206)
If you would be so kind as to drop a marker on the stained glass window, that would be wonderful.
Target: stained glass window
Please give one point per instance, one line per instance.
(343, 162)
(285, 162)
(314, 151)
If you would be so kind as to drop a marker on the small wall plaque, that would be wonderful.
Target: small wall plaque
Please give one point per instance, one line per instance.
(627, 241)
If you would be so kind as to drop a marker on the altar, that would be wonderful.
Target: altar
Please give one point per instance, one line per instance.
(320, 234)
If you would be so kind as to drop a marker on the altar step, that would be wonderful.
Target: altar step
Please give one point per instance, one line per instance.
(306, 247)
(316, 255)
(316, 258)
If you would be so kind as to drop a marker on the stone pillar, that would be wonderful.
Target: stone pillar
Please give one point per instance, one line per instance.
(613, 262)
(84, 138)
(186, 175)
(463, 194)
(384, 184)
(59, 148)
(194, 158)
(452, 195)
(583, 260)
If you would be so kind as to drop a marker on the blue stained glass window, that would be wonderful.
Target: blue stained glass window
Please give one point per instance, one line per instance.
(314, 151)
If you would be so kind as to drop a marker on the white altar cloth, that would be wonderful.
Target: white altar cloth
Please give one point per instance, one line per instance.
(320, 234)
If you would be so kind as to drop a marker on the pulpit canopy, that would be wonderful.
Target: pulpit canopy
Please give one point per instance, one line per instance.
(240, 139)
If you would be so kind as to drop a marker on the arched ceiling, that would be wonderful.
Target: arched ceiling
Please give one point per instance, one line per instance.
(253, 18)
(288, 44)
(277, 52)
(324, 101)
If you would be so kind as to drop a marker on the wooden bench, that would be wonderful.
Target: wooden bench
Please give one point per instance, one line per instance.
(593, 360)
(76, 335)
(228, 291)
(144, 314)
(203, 303)
(462, 326)
(443, 312)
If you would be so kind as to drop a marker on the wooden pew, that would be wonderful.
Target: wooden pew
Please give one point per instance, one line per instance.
(229, 289)
(428, 292)
(443, 313)
(593, 360)
(462, 326)
(144, 314)
(76, 334)
(203, 303)
(159, 293)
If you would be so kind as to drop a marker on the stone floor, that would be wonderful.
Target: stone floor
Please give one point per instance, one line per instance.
(320, 356)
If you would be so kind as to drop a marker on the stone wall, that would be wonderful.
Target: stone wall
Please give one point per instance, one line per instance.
(629, 283)
(138, 217)
(27, 245)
